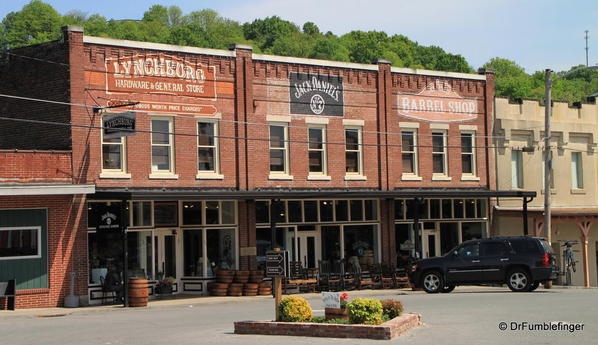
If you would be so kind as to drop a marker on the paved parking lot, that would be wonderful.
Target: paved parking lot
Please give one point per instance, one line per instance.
(469, 315)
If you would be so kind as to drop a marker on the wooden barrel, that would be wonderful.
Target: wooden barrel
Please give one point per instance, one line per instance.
(225, 276)
(218, 289)
(264, 288)
(242, 276)
(235, 289)
(256, 276)
(138, 292)
(250, 289)
(336, 313)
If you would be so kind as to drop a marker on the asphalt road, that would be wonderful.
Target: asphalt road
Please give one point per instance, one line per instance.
(469, 315)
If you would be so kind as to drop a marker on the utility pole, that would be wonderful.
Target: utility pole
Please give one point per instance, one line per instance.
(547, 153)
(587, 63)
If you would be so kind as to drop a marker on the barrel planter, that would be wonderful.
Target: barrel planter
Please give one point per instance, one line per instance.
(138, 292)
(241, 277)
(235, 289)
(256, 276)
(336, 313)
(218, 289)
(264, 288)
(250, 289)
(225, 276)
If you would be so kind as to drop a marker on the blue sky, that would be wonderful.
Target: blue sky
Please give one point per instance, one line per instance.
(537, 34)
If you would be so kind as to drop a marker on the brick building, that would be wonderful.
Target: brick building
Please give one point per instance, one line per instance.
(342, 159)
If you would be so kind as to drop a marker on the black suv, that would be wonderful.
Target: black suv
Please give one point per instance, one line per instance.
(520, 262)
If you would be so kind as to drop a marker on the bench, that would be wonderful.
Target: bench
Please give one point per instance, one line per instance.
(8, 291)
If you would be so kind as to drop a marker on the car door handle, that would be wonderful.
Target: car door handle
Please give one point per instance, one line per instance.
(475, 261)
(505, 259)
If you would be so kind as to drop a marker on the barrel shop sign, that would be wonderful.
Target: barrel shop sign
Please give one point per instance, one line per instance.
(118, 125)
(438, 102)
(311, 94)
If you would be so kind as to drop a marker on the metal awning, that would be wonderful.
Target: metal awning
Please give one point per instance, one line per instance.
(114, 193)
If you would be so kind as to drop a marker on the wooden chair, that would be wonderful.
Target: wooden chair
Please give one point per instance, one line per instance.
(350, 277)
(329, 276)
(387, 276)
(370, 278)
(311, 279)
(295, 279)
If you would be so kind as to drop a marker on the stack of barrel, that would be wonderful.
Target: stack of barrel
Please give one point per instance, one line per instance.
(224, 278)
(265, 288)
(240, 283)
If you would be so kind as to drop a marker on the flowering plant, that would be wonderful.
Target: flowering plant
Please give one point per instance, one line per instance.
(344, 299)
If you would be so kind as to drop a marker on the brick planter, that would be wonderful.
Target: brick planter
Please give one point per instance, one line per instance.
(385, 331)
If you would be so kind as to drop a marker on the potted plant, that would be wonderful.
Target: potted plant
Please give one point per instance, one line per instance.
(338, 313)
(165, 286)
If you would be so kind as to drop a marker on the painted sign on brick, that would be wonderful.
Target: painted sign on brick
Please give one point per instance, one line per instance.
(311, 94)
(438, 102)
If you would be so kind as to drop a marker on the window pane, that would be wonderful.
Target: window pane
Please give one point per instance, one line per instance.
(466, 143)
(193, 253)
(352, 139)
(399, 209)
(105, 254)
(161, 158)
(342, 212)
(438, 163)
(191, 212)
(220, 247)
(294, 211)
(139, 244)
(165, 214)
(410, 209)
(205, 130)
(449, 237)
(112, 157)
(142, 213)
(481, 208)
(467, 164)
(458, 208)
(371, 210)
(471, 231)
(277, 160)
(206, 158)
(310, 209)
(447, 208)
(276, 136)
(356, 209)
(576, 170)
(326, 209)
(408, 163)
(360, 242)
(470, 208)
(228, 212)
(212, 211)
(18, 242)
(437, 142)
(262, 212)
(315, 138)
(407, 141)
(434, 209)
(352, 159)
(162, 126)
(315, 161)
(331, 248)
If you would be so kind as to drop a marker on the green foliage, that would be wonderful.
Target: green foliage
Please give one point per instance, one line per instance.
(294, 309)
(392, 308)
(36, 23)
(365, 311)
(322, 319)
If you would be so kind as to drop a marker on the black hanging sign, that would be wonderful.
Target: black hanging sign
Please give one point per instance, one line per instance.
(276, 263)
(109, 218)
(118, 125)
(315, 94)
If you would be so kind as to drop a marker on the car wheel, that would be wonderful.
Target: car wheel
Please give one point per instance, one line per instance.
(432, 282)
(518, 280)
(533, 286)
(447, 289)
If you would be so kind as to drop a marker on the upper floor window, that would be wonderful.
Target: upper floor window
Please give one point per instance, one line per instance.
(468, 154)
(409, 152)
(279, 149)
(353, 154)
(113, 154)
(162, 145)
(517, 169)
(317, 150)
(439, 163)
(207, 147)
(576, 171)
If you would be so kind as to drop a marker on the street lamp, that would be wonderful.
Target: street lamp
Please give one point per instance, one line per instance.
(548, 82)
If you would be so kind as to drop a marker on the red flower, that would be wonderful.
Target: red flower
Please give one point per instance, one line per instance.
(344, 297)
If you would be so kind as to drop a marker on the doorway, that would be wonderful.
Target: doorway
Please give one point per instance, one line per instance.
(303, 244)
(166, 250)
(430, 240)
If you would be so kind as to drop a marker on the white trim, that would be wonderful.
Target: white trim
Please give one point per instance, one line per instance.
(438, 73)
(39, 242)
(349, 122)
(110, 174)
(465, 177)
(315, 177)
(156, 46)
(355, 177)
(278, 118)
(317, 120)
(468, 127)
(415, 173)
(441, 177)
(163, 176)
(47, 189)
(439, 126)
(410, 177)
(156, 173)
(208, 175)
(279, 176)
(214, 174)
(323, 151)
(317, 62)
(409, 124)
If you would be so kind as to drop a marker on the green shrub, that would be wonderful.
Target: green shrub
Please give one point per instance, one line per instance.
(294, 309)
(365, 310)
(392, 308)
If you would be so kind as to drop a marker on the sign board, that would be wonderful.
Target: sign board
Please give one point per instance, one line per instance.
(407, 245)
(118, 125)
(276, 263)
(314, 94)
(331, 299)
(438, 102)
(109, 218)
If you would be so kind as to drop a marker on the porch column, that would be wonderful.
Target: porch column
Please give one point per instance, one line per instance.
(584, 227)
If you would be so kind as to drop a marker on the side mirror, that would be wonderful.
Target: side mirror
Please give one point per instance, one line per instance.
(455, 253)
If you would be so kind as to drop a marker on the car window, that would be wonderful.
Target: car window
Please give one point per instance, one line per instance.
(523, 246)
(546, 246)
(470, 249)
(493, 249)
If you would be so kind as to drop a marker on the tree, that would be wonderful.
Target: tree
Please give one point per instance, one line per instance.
(329, 48)
(504, 68)
(311, 29)
(363, 46)
(156, 13)
(266, 31)
(37, 22)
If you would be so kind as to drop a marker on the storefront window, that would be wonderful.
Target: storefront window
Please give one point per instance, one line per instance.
(342, 210)
(228, 212)
(191, 212)
(193, 252)
(142, 213)
(311, 211)
(472, 231)
(165, 214)
(371, 210)
(326, 210)
(400, 209)
(220, 249)
(449, 236)
(94, 209)
(356, 210)
(481, 208)
(359, 241)
(447, 208)
(139, 245)
(212, 211)
(262, 212)
(105, 254)
(470, 208)
(331, 247)
(458, 208)
(294, 211)
(434, 209)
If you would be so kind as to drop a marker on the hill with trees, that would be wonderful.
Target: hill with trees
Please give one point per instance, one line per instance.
(38, 22)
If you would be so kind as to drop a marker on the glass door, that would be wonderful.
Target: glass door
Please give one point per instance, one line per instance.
(308, 248)
(166, 249)
(431, 244)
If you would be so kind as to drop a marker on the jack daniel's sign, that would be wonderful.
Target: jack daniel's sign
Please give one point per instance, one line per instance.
(312, 94)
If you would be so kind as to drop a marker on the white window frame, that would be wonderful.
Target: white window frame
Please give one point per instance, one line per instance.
(577, 182)
(285, 174)
(358, 175)
(132, 210)
(323, 175)
(442, 176)
(163, 174)
(415, 174)
(38, 229)
(517, 169)
(210, 174)
(114, 173)
(474, 172)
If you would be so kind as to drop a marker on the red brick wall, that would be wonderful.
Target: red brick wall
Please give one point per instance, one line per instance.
(35, 166)
(67, 247)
